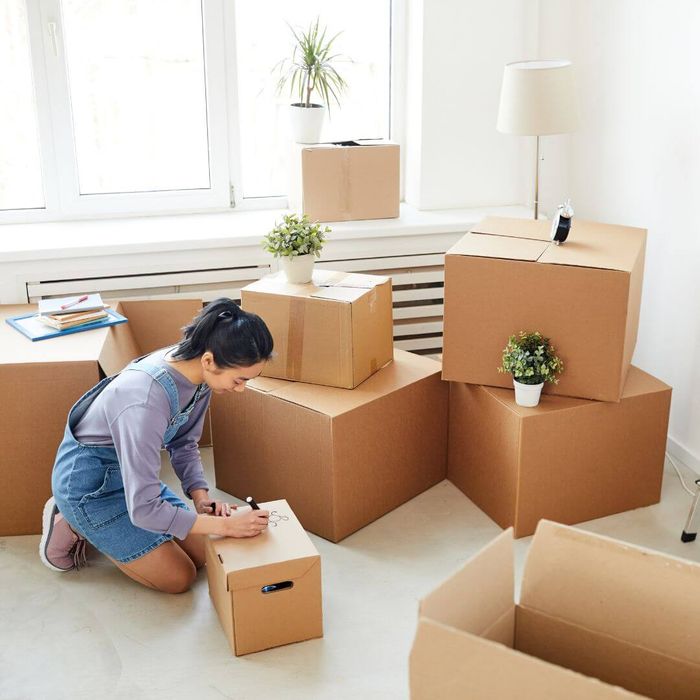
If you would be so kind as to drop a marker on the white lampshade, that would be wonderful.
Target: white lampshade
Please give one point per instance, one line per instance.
(538, 98)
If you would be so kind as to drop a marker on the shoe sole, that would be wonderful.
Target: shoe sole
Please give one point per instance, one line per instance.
(46, 530)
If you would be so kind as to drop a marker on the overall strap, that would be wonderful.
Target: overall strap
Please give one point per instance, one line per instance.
(162, 376)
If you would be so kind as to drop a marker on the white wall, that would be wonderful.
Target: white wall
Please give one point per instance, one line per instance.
(456, 53)
(636, 161)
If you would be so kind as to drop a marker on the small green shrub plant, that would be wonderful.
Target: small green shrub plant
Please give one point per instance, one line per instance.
(531, 359)
(295, 236)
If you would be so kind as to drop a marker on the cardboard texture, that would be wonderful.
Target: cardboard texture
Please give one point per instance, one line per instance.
(345, 181)
(568, 460)
(239, 570)
(45, 379)
(336, 330)
(597, 618)
(506, 276)
(341, 458)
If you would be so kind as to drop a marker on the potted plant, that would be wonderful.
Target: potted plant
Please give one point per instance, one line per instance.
(530, 358)
(296, 242)
(310, 69)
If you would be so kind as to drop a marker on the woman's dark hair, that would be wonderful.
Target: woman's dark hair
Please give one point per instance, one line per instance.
(234, 337)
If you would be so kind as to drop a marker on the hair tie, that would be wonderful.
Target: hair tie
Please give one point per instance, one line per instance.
(225, 314)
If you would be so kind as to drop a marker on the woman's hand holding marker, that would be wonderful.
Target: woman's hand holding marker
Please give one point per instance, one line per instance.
(245, 523)
(206, 507)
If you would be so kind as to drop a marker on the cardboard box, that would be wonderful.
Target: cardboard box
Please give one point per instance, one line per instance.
(345, 181)
(242, 571)
(597, 619)
(341, 458)
(506, 276)
(42, 380)
(568, 460)
(336, 330)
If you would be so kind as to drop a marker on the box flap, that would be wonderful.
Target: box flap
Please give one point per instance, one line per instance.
(477, 245)
(479, 594)
(156, 324)
(331, 401)
(605, 246)
(284, 541)
(627, 592)
(514, 228)
(590, 244)
(326, 284)
(119, 348)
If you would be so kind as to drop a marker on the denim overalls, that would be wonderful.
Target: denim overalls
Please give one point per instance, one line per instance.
(87, 482)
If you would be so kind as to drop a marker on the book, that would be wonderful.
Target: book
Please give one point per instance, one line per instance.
(93, 302)
(30, 325)
(61, 321)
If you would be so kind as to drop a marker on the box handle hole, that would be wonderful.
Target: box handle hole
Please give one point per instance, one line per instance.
(281, 586)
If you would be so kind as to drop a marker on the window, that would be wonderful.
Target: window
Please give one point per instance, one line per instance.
(20, 164)
(363, 29)
(131, 106)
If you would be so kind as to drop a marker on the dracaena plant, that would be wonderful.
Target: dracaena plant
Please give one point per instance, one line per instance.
(312, 67)
(295, 236)
(531, 359)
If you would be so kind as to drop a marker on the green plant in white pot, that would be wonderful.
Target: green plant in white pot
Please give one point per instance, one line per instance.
(531, 359)
(311, 69)
(297, 242)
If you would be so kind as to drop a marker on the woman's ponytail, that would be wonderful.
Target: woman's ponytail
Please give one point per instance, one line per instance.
(235, 337)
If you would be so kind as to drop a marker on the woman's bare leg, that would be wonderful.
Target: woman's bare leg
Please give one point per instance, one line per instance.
(167, 568)
(194, 546)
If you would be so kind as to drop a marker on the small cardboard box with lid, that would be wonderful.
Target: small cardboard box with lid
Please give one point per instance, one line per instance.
(267, 589)
(336, 330)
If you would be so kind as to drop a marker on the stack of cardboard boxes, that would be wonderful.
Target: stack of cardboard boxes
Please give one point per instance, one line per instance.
(595, 445)
(360, 430)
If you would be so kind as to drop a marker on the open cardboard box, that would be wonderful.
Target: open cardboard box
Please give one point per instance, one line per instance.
(267, 589)
(597, 618)
(568, 460)
(44, 379)
(345, 180)
(506, 276)
(341, 458)
(336, 330)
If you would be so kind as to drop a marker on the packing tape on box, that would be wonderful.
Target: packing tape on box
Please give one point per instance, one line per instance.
(295, 337)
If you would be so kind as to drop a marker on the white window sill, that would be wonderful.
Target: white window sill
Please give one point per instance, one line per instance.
(71, 239)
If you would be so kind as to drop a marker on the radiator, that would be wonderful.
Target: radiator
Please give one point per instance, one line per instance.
(418, 283)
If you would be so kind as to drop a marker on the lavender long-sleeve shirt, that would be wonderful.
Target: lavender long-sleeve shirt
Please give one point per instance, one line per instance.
(132, 414)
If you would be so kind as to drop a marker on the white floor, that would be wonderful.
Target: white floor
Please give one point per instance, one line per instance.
(96, 634)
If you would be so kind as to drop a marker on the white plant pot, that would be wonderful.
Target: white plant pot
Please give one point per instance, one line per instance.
(307, 122)
(527, 395)
(299, 269)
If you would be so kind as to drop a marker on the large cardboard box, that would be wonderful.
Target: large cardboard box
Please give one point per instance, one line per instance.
(506, 276)
(267, 589)
(345, 181)
(568, 459)
(596, 619)
(341, 458)
(336, 330)
(41, 381)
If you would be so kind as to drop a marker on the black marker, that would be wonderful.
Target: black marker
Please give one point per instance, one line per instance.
(251, 502)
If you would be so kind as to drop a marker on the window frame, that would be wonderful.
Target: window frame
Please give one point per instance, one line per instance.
(62, 199)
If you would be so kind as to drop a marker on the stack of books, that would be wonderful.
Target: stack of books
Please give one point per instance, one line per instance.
(70, 312)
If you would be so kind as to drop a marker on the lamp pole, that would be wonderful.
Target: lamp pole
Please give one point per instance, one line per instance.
(537, 175)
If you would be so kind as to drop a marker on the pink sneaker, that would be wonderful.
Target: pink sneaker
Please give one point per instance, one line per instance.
(60, 548)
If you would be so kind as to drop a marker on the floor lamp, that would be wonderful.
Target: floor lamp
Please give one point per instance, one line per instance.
(538, 98)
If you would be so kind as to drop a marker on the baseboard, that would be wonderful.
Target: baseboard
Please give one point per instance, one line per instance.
(679, 452)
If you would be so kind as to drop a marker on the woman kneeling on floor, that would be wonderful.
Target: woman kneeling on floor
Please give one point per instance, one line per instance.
(106, 479)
